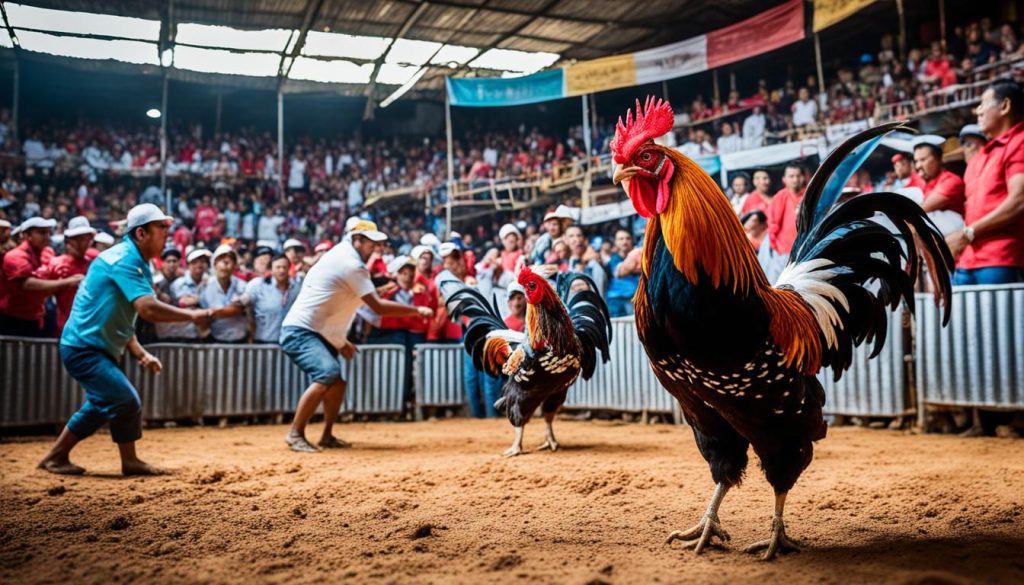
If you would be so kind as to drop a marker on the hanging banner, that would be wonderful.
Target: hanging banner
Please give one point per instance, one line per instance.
(671, 61)
(515, 91)
(767, 31)
(829, 12)
(770, 30)
(600, 74)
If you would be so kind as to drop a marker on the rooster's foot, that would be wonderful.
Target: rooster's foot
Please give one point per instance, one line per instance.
(548, 444)
(513, 451)
(700, 535)
(778, 542)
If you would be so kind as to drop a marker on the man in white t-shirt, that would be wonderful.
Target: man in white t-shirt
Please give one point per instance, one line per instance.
(316, 327)
(805, 110)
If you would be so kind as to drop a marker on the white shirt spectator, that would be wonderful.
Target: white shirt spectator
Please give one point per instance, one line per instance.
(804, 112)
(35, 152)
(730, 143)
(753, 131)
(182, 286)
(355, 193)
(331, 292)
(213, 296)
(491, 156)
(267, 228)
(269, 305)
(691, 149)
(297, 174)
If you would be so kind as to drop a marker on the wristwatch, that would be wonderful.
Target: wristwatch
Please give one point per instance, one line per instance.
(969, 234)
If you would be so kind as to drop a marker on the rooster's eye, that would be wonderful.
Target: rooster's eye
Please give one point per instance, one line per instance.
(646, 156)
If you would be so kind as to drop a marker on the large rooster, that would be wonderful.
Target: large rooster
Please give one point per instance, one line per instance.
(565, 331)
(739, 354)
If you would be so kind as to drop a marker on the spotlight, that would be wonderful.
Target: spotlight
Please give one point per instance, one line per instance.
(153, 113)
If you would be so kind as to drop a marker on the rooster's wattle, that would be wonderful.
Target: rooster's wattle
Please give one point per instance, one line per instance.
(739, 354)
(565, 331)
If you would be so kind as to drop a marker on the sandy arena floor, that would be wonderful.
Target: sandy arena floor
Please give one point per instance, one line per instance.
(433, 502)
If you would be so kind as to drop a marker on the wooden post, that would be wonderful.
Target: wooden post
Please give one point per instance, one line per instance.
(451, 160)
(280, 140)
(163, 145)
(903, 29)
(714, 85)
(817, 59)
(587, 147)
(942, 23)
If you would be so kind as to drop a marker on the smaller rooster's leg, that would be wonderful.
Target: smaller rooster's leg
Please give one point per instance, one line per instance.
(517, 444)
(709, 526)
(778, 542)
(549, 434)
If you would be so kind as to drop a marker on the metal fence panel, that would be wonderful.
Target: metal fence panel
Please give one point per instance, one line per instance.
(873, 387)
(376, 380)
(34, 388)
(978, 359)
(438, 376)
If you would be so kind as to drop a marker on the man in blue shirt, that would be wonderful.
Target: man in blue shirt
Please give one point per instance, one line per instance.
(117, 288)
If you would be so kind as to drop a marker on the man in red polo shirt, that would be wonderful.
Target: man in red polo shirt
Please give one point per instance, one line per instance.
(22, 294)
(782, 213)
(990, 249)
(905, 175)
(77, 239)
(942, 189)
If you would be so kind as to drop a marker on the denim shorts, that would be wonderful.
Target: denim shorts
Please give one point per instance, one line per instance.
(313, 354)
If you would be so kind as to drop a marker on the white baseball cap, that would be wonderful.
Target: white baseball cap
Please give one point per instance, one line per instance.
(79, 226)
(514, 288)
(430, 240)
(222, 250)
(561, 212)
(4, 223)
(350, 223)
(145, 213)
(289, 243)
(508, 229)
(399, 263)
(104, 238)
(420, 251)
(35, 222)
(197, 254)
(368, 229)
(454, 235)
(447, 248)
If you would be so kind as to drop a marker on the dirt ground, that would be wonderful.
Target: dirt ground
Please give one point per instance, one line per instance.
(432, 502)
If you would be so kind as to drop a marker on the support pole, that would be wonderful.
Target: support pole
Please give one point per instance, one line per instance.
(817, 60)
(280, 141)
(451, 161)
(586, 146)
(714, 85)
(17, 96)
(664, 90)
(942, 23)
(163, 145)
(903, 29)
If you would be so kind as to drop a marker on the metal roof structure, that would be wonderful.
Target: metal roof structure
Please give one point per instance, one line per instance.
(411, 43)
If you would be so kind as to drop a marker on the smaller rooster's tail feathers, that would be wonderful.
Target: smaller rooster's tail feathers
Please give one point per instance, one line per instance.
(590, 319)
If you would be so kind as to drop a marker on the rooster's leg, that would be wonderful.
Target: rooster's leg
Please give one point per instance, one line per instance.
(549, 434)
(778, 542)
(709, 526)
(517, 444)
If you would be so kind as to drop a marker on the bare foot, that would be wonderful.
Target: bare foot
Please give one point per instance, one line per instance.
(138, 467)
(64, 467)
(331, 442)
(300, 444)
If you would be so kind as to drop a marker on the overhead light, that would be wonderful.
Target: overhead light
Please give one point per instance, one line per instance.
(153, 113)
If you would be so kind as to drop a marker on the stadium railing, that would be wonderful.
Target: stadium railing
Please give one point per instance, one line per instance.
(977, 361)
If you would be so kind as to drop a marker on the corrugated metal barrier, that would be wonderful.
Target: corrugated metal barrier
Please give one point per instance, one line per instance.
(197, 381)
(438, 368)
(978, 359)
(873, 387)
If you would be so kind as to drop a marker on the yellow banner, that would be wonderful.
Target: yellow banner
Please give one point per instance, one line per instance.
(600, 75)
(829, 12)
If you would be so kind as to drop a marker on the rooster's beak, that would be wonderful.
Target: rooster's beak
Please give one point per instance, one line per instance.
(624, 174)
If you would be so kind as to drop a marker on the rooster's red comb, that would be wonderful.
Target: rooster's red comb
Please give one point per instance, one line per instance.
(655, 119)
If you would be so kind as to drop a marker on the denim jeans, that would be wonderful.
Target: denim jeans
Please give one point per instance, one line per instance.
(109, 396)
(481, 390)
(620, 307)
(987, 275)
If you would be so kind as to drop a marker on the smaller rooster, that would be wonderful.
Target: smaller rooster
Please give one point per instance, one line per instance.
(565, 330)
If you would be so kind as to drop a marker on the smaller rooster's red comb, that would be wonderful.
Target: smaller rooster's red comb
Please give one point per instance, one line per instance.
(653, 120)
